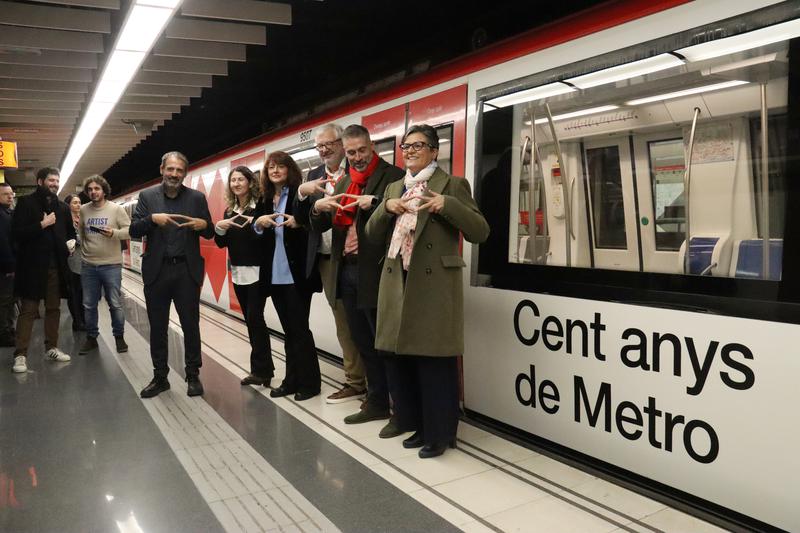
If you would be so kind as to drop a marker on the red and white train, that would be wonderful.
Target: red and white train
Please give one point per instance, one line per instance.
(635, 307)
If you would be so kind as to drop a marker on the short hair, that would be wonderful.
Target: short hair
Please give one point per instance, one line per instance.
(293, 178)
(5, 184)
(254, 189)
(100, 180)
(43, 172)
(337, 129)
(428, 131)
(356, 131)
(176, 155)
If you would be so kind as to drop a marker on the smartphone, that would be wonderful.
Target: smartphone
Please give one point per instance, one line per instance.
(95, 229)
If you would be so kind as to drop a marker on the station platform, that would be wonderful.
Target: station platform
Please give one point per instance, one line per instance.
(80, 451)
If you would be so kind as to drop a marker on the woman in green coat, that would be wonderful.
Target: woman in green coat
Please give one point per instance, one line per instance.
(420, 296)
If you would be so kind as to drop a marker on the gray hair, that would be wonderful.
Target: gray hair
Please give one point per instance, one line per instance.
(356, 131)
(428, 131)
(176, 155)
(337, 130)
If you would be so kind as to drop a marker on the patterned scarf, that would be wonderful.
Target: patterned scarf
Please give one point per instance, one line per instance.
(358, 180)
(406, 224)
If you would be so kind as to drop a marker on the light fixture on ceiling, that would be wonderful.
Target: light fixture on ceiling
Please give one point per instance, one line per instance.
(144, 23)
(576, 114)
(687, 92)
(529, 95)
(745, 41)
(751, 62)
(626, 71)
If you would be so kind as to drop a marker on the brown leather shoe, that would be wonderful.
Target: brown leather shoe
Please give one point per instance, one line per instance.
(252, 379)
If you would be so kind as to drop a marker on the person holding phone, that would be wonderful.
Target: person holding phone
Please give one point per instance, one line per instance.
(283, 275)
(75, 299)
(103, 224)
(246, 256)
(419, 223)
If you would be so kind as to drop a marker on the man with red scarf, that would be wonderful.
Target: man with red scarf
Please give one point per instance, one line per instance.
(357, 263)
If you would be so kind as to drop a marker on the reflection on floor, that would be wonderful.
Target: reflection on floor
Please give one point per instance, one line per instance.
(79, 451)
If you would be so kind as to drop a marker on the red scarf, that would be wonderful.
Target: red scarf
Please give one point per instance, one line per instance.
(358, 180)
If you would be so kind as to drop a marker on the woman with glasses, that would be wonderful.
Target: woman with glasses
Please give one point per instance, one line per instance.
(235, 232)
(283, 274)
(420, 309)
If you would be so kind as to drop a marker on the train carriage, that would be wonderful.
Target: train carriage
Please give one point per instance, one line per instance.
(634, 308)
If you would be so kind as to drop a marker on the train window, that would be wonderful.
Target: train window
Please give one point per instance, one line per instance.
(307, 160)
(445, 158)
(385, 148)
(605, 188)
(667, 168)
(653, 166)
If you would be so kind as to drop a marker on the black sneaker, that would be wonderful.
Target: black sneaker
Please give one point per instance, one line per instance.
(193, 386)
(122, 346)
(88, 345)
(155, 387)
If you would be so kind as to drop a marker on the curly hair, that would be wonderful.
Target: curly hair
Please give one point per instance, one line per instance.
(253, 190)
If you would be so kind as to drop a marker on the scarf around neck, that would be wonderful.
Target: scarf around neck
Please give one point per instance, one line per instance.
(406, 225)
(358, 180)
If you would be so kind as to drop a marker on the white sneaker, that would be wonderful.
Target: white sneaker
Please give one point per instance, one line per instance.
(20, 364)
(54, 354)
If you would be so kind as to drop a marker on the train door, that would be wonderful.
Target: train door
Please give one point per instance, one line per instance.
(659, 160)
(386, 128)
(445, 111)
(611, 204)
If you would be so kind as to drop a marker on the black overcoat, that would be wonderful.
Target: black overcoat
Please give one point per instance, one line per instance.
(32, 242)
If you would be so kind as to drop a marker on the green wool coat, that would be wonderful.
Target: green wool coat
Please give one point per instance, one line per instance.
(425, 315)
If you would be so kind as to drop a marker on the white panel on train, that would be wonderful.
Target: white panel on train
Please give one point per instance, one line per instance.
(723, 383)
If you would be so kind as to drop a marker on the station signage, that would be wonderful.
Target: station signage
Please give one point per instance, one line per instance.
(8, 155)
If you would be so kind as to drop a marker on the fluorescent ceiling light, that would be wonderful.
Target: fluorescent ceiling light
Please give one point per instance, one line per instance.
(687, 92)
(142, 27)
(626, 71)
(536, 93)
(575, 114)
(305, 154)
(746, 41)
(760, 60)
(171, 4)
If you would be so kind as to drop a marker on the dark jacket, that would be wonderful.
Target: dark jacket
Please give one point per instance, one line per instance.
(34, 244)
(370, 255)
(295, 241)
(152, 201)
(7, 255)
(243, 244)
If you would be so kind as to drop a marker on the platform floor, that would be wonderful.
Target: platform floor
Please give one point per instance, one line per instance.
(80, 451)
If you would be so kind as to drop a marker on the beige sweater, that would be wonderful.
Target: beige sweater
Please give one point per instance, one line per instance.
(96, 248)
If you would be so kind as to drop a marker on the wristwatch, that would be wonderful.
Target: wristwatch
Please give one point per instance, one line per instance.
(375, 201)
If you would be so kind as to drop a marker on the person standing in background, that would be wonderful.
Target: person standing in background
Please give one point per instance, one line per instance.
(43, 232)
(75, 299)
(8, 309)
(103, 225)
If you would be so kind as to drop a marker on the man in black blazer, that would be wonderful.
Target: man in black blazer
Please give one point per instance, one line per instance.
(319, 182)
(172, 217)
(356, 262)
(42, 227)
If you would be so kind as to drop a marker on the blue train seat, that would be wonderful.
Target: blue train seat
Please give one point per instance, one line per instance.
(748, 262)
(701, 251)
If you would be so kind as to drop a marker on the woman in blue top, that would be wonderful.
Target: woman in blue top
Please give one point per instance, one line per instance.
(283, 275)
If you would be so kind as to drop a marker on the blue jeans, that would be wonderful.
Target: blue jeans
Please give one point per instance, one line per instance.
(109, 278)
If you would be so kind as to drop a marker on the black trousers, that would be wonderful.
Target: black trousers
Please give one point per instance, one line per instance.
(252, 300)
(75, 300)
(174, 284)
(427, 396)
(381, 381)
(8, 307)
(302, 365)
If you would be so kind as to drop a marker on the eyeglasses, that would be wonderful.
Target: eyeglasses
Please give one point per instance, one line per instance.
(417, 146)
(327, 145)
